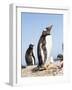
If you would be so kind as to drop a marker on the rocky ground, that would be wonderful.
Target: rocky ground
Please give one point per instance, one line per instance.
(51, 69)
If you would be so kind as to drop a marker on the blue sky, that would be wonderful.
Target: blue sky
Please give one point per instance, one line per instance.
(32, 25)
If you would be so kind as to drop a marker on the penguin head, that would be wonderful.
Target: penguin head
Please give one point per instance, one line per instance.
(47, 30)
(31, 46)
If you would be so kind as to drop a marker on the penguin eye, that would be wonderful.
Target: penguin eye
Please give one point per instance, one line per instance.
(44, 32)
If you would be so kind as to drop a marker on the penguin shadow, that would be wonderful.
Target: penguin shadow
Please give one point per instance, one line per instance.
(37, 68)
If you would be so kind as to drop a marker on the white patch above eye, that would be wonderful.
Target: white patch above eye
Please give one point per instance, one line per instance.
(44, 29)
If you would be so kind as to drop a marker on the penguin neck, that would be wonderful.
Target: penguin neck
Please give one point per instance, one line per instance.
(42, 38)
(49, 35)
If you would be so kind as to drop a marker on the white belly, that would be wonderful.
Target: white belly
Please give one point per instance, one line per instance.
(32, 60)
(48, 46)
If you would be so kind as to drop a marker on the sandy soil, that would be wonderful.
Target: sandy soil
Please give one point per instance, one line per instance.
(52, 69)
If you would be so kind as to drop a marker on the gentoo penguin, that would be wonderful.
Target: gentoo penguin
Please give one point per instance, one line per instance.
(42, 47)
(29, 55)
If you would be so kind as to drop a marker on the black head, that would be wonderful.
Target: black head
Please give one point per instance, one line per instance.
(47, 31)
(31, 46)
